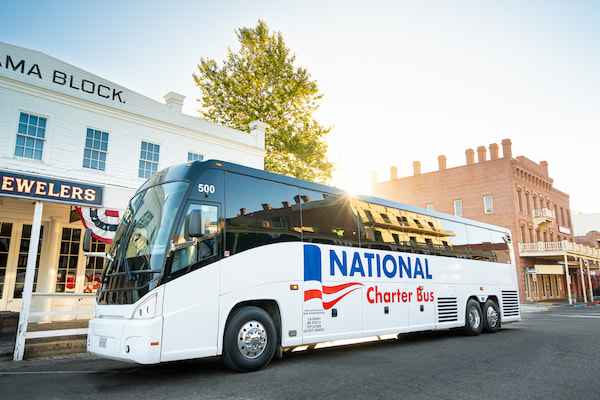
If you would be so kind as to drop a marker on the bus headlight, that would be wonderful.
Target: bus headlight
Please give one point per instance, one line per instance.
(147, 309)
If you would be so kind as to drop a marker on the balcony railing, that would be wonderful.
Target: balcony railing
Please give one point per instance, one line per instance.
(540, 249)
(543, 213)
(542, 217)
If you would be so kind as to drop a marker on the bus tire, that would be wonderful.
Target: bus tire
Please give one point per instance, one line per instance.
(473, 319)
(491, 317)
(250, 340)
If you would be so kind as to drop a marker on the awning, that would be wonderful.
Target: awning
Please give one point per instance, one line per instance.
(101, 221)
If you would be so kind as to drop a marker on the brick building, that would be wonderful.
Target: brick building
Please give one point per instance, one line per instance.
(515, 193)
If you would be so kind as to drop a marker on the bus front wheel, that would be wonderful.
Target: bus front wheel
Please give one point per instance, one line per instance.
(473, 319)
(250, 340)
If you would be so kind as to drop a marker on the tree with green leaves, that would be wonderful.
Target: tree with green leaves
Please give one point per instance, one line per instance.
(260, 82)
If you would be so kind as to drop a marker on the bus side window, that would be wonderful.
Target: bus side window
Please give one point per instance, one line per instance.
(328, 219)
(455, 241)
(480, 243)
(206, 246)
(259, 213)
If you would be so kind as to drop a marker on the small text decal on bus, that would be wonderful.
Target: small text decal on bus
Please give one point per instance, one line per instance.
(204, 188)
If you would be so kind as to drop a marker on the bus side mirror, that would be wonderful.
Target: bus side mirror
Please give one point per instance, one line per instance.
(87, 240)
(196, 224)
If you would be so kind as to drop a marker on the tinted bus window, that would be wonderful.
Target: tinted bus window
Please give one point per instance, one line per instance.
(500, 247)
(259, 212)
(379, 227)
(328, 219)
(454, 240)
(480, 243)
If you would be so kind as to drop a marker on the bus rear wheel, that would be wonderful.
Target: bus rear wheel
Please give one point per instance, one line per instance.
(491, 317)
(250, 340)
(473, 319)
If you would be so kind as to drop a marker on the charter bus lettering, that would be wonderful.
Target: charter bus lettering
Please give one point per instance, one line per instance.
(391, 266)
(217, 259)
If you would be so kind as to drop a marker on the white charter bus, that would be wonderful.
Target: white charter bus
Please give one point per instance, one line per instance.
(213, 258)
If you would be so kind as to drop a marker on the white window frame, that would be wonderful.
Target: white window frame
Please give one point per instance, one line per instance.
(43, 140)
(147, 160)
(458, 206)
(486, 209)
(92, 149)
(191, 153)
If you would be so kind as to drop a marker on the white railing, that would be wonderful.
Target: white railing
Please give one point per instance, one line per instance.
(54, 307)
(562, 246)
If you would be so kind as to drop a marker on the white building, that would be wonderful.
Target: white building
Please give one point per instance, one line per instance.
(71, 138)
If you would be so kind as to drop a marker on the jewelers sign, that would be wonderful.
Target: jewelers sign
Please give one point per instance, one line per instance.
(14, 184)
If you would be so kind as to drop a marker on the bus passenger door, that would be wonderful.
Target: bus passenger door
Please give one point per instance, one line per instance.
(191, 303)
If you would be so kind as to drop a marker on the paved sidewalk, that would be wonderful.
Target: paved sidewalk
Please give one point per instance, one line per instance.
(10, 365)
(548, 305)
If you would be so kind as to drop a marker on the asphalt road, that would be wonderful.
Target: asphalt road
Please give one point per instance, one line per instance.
(552, 354)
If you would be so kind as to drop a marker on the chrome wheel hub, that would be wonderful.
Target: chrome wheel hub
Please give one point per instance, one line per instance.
(252, 339)
(474, 318)
(492, 316)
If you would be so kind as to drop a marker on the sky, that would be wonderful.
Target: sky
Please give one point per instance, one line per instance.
(402, 81)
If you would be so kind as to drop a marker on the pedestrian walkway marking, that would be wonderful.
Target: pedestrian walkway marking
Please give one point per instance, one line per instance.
(579, 315)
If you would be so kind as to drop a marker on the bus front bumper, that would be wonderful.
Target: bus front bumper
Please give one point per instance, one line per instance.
(134, 340)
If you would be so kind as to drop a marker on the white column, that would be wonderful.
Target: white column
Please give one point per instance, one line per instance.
(582, 279)
(589, 271)
(29, 275)
(568, 279)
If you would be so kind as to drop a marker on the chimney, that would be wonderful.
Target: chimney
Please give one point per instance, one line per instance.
(470, 156)
(175, 102)
(493, 151)
(544, 165)
(417, 168)
(506, 148)
(481, 150)
(258, 129)
(442, 162)
(394, 173)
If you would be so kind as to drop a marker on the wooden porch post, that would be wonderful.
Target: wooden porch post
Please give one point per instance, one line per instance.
(28, 284)
(568, 279)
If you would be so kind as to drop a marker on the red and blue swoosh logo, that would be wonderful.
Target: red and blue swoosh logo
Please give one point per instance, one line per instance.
(313, 284)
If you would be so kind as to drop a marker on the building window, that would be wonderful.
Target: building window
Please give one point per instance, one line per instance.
(195, 157)
(6, 229)
(93, 269)
(22, 262)
(148, 159)
(94, 153)
(458, 208)
(488, 204)
(30, 137)
(431, 206)
(67, 260)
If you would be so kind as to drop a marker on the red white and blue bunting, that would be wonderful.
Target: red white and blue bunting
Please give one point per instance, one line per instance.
(102, 222)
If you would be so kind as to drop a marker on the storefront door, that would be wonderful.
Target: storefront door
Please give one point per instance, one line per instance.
(14, 249)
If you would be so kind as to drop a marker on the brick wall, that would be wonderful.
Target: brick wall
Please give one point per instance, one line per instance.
(517, 185)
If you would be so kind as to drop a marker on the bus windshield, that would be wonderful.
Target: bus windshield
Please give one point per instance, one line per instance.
(140, 244)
